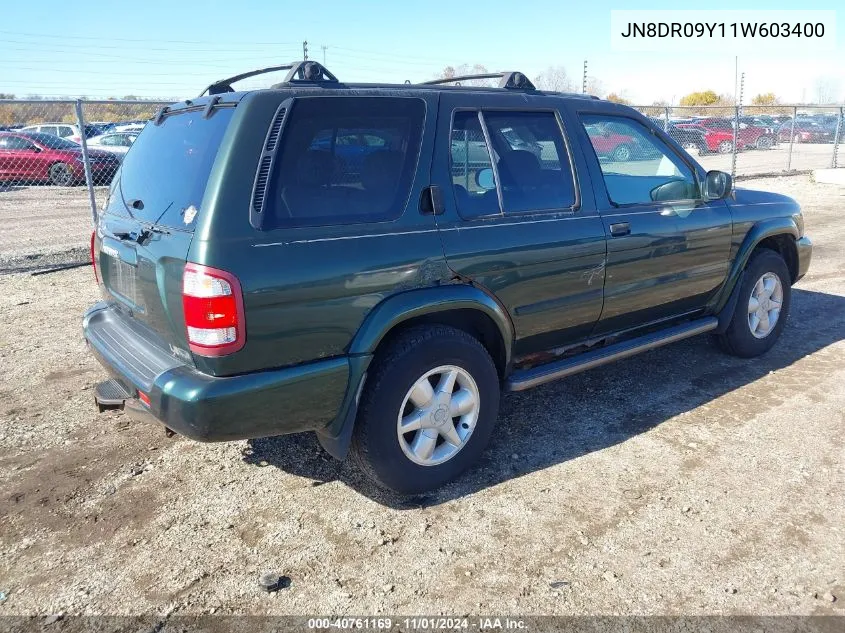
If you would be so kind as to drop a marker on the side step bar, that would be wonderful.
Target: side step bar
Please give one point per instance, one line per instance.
(528, 378)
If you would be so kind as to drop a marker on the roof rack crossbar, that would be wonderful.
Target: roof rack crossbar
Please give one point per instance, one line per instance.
(297, 71)
(512, 80)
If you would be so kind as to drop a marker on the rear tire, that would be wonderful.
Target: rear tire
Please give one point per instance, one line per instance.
(763, 305)
(60, 175)
(406, 389)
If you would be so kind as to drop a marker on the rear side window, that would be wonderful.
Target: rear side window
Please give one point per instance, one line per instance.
(345, 160)
(527, 154)
(533, 165)
(169, 165)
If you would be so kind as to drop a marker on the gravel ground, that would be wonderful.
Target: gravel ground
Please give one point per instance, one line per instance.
(682, 481)
(44, 226)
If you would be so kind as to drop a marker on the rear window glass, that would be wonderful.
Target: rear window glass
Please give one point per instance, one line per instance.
(168, 166)
(345, 160)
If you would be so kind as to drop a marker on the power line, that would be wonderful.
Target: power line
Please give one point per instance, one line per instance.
(64, 36)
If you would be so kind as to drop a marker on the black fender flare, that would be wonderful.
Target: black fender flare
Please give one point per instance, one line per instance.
(382, 319)
(756, 234)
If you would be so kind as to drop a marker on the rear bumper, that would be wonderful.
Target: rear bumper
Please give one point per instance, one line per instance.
(209, 408)
(805, 254)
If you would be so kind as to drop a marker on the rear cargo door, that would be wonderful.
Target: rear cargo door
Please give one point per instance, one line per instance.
(145, 231)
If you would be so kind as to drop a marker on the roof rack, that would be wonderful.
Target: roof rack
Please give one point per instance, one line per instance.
(305, 71)
(512, 80)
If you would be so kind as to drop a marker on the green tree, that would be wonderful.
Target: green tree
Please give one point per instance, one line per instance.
(705, 98)
(765, 99)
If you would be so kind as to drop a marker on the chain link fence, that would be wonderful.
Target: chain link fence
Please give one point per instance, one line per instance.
(56, 161)
(748, 141)
(50, 150)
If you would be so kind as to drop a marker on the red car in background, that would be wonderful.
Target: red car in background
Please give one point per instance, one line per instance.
(32, 157)
(719, 135)
(613, 145)
(807, 132)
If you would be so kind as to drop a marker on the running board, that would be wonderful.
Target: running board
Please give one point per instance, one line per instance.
(528, 378)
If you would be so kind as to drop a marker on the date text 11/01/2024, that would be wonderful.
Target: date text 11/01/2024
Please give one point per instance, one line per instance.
(723, 29)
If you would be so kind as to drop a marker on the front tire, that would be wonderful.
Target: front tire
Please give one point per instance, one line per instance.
(428, 409)
(760, 313)
(726, 147)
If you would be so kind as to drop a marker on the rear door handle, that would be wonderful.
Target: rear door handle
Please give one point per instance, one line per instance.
(619, 229)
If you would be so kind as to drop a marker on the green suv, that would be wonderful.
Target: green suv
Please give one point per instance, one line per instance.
(377, 263)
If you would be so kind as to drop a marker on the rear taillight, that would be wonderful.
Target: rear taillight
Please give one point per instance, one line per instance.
(94, 257)
(214, 311)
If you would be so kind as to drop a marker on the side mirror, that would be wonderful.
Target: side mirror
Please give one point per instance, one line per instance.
(484, 178)
(717, 185)
(36, 149)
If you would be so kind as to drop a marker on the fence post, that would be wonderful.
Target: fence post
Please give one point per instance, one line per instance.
(834, 161)
(736, 139)
(89, 180)
(791, 138)
(666, 119)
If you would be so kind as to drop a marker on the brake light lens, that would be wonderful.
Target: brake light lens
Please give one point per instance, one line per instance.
(214, 312)
(144, 398)
(94, 257)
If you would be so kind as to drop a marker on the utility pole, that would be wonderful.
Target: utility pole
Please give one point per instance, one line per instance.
(324, 54)
(584, 81)
(305, 50)
(741, 91)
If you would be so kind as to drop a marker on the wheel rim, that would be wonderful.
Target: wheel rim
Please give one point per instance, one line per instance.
(438, 415)
(60, 174)
(764, 305)
(725, 147)
(623, 153)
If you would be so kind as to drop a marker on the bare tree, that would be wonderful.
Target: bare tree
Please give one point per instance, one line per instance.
(466, 69)
(825, 90)
(555, 79)
(595, 86)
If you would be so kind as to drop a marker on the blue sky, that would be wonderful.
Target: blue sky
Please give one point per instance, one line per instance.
(174, 48)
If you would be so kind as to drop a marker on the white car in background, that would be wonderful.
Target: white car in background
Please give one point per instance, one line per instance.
(114, 142)
(62, 130)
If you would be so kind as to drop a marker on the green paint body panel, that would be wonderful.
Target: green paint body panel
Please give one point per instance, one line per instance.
(319, 300)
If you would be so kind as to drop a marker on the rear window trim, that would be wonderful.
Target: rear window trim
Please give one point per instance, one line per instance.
(414, 169)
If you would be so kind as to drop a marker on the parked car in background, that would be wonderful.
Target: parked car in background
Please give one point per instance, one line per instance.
(807, 132)
(610, 144)
(128, 126)
(35, 157)
(719, 135)
(117, 143)
(69, 131)
(690, 138)
(768, 125)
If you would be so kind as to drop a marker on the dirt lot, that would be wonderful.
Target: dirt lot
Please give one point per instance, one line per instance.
(680, 481)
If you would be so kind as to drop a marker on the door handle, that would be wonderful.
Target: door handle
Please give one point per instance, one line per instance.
(619, 229)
